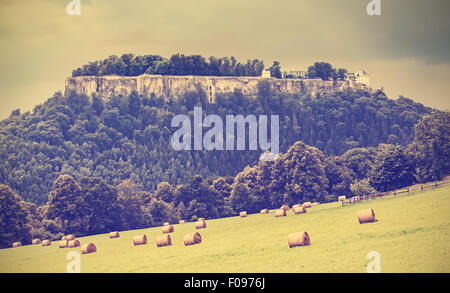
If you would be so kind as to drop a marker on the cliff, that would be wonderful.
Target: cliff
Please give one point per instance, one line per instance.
(173, 86)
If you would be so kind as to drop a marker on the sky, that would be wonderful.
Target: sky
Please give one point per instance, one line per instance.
(405, 50)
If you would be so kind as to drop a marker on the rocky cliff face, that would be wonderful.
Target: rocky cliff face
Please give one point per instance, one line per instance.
(173, 86)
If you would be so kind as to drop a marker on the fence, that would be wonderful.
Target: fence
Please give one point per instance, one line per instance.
(417, 187)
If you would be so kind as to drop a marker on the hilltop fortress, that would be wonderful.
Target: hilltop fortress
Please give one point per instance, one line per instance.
(167, 86)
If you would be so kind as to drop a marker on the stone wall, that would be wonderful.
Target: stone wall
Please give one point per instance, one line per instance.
(173, 86)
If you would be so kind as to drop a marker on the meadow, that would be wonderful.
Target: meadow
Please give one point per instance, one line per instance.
(411, 235)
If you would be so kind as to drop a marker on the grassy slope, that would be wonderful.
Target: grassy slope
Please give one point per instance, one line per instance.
(412, 234)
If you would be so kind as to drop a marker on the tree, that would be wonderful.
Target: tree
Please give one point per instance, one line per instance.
(275, 70)
(241, 198)
(341, 73)
(360, 160)
(322, 70)
(339, 175)
(166, 192)
(102, 207)
(431, 146)
(66, 206)
(391, 170)
(362, 187)
(131, 203)
(13, 219)
(303, 173)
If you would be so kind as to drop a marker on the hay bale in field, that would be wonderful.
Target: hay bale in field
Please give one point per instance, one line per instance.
(192, 238)
(182, 222)
(46, 242)
(168, 229)
(264, 211)
(17, 244)
(70, 237)
(63, 244)
(139, 239)
(342, 198)
(64, 238)
(243, 214)
(299, 210)
(74, 243)
(307, 204)
(280, 213)
(296, 205)
(200, 224)
(201, 219)
(114, 234)
(88, 248)
(36, 241)
(315, 204)
(166, 224)
(366, 216)
(163, 240)
(298, 239)
(285, 207)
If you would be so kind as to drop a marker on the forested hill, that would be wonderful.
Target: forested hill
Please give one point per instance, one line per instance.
(129, 137)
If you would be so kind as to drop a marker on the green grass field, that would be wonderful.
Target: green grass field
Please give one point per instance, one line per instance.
(412, 235)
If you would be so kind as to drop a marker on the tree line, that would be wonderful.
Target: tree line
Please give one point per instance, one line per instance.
(177, 64)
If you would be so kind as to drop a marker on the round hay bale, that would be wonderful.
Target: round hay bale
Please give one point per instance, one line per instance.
(201, 219)
(192, 238)
(298, 239)
(315, 204)
(139, 239)
(46, 242)
(163, 240)
(264, 211)
(366, 216)
(200, 224)
(299, 210)
(168, 229)
(182, 222)
(36, 241)
(74, 243)
(88, 248)
(114, 234)
(64, 238)
(70, 237)
(17, 244)
(280, 213)
(285, 207)
(307, 204)
(342, 198)
(63, 244)
(243, 214)
(296, 205)
(166, 224)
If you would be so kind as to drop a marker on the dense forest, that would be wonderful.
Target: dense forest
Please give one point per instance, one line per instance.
(81, 165)
(91, 206)
(129, 137)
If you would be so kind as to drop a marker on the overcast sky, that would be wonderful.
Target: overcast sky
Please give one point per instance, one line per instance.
(405, 49)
